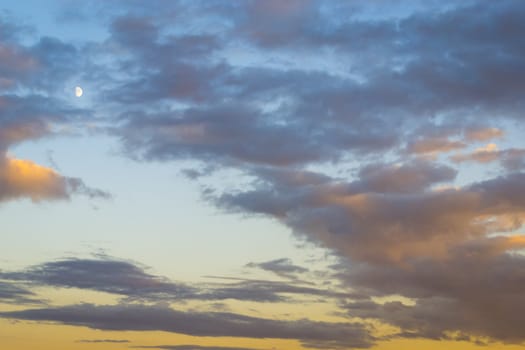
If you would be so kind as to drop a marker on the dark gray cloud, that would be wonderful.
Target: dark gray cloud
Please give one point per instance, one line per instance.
(96, 341)
(16, 60)
(30, 117)
(132, 281)
(211, 324)
(512, 159)
(282, 267)
(189, 347)
(13, 294)
(476, 292)
(11, 30)
(403, 178)
(57, 61)
(42, 65)
(387, 226)
(229, 133)
(111, 276)
(268, 291)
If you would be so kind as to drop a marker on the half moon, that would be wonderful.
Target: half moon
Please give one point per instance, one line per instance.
(78, 91)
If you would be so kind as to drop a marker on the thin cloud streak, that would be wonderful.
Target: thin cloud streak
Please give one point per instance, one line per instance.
(132, 282)
(211, 324)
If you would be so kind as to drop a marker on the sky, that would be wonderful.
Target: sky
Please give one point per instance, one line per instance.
(262, 175)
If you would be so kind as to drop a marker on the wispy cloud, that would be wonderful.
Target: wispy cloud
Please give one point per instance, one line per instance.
(133, 282)
(212, 324)
(190, 347)
(12, 294)
(97, 341)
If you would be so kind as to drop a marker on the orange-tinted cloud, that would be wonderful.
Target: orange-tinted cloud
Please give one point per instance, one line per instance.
(483, 134)
(486, 154)
(23, 178)
(512, 159)
(434, 145)
(451, 251)
(26, 179)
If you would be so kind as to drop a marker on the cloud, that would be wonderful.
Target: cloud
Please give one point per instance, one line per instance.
(435, 247)
(429, 141)
(20, 178)
(23, 178)
(387, 226)
(512, 159)
(190, 347)
(268, 291)
(434, 145)
(226, 133)
(419, 245)
(104, 275)
(12, 294)
(483, 134)
(133, 282)
(185, 91)
(96, 341)
(402, 178)
(282, 267)
(34, 113)
(486, 154)
(475, 291)
(212, 324)
(37, 65)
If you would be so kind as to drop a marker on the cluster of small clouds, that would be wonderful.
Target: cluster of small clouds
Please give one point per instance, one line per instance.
(133, 283)
(279, 89)
(143, 304)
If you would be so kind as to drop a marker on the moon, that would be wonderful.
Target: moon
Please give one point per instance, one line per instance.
(78, 91)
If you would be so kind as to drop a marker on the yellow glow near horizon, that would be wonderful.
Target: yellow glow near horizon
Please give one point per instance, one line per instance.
(45, 336)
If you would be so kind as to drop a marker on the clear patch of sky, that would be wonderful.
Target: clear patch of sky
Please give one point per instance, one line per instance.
(156, 216)
(63, 19)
